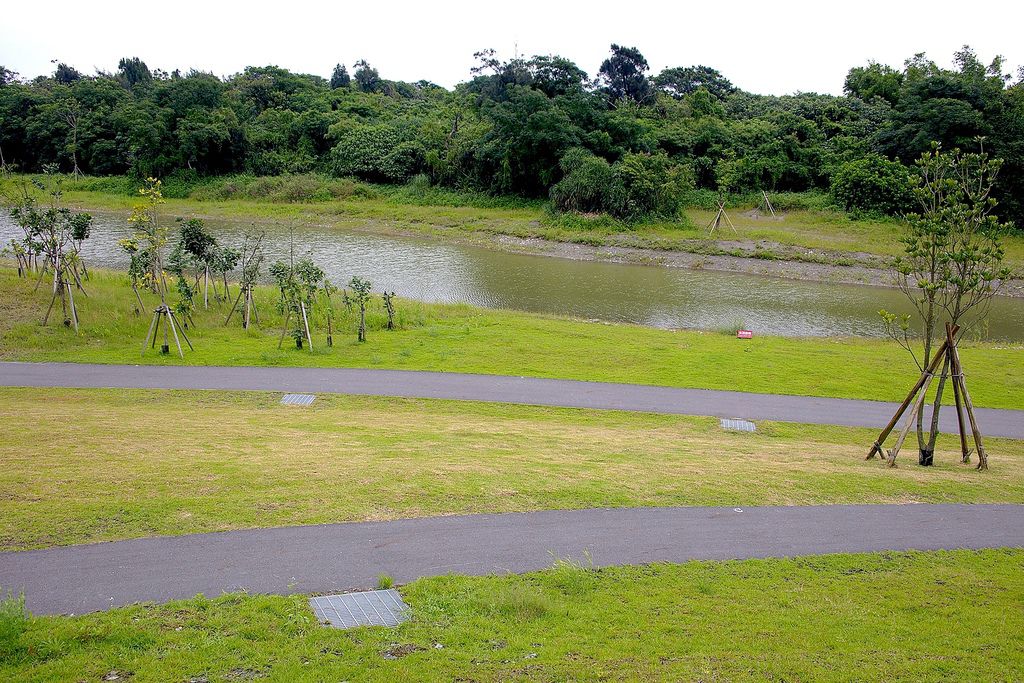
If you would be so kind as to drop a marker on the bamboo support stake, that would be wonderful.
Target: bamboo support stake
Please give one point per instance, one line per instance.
(305, 323)
(151, 333)
(181, 329)
(170, 323)
(74, 310)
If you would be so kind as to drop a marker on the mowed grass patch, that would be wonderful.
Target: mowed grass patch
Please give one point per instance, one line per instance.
(88, 465)
(936, 616)
(460, 338)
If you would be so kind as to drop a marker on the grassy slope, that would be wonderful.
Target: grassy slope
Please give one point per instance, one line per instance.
(459, 338)
(441, 213)
(94, 465)
(939, 616)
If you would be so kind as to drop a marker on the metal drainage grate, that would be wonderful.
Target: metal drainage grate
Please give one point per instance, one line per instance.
(371, 608)
(298, 399)
(738, 425)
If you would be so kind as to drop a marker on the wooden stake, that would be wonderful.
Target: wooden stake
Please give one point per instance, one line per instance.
(939, 354)
(151, 333)
(284, 329)
(982, 456)
(768, 203)
(138, 297)
(911, 418)
(965, 454)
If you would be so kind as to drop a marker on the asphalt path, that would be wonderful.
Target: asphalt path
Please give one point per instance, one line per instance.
(498, 388)
(341, 557)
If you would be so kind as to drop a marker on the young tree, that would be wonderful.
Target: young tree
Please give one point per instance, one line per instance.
(51, 231)
(389, 306)
(298, 284)
(149, 234)
(360, 295)
(951, 265)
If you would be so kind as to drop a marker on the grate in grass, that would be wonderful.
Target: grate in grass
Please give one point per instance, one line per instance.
(298, 399)
(369, 608)
(737, 425)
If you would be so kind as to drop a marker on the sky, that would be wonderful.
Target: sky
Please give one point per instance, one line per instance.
(771, 47)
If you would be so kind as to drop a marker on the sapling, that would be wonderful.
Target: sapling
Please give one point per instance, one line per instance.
(51, 232)
(389, 306)
(952, 264)
(360, 295)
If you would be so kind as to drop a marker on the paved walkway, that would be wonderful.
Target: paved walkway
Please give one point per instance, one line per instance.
(339, 557)
(499, 388)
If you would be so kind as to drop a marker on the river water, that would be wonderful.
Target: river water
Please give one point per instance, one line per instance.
(657, 296)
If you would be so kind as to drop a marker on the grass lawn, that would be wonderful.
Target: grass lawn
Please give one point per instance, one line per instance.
(88, 465)
(460, 338)
(445, 213)
(939, 616)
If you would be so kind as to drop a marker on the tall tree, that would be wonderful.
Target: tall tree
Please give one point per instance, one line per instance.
(624, 75)
(340, 77)
(133, 71)
(680, 81)
(66, 75)
(367, 77)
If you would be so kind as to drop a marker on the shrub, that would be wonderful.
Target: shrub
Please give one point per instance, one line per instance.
(872, 184)
(377, 153)
(586, 185)
(635, 187)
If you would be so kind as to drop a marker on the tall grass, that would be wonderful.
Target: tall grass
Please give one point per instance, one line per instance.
(13, 623)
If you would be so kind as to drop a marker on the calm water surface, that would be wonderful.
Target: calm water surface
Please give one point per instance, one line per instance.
(647, 295)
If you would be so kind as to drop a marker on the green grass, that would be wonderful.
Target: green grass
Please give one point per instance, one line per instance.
(808, 226)
(88, 465)
(938, 616)
(460, 338)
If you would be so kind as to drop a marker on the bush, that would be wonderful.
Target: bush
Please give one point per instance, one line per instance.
(586, 185)
(872, 184)
(377, 153)
(635, 187)
(651, 186)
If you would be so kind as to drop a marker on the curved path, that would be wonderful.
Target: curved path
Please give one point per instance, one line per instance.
(498, 388)
(338, 557)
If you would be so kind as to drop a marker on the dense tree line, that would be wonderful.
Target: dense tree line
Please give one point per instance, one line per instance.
(625, 142)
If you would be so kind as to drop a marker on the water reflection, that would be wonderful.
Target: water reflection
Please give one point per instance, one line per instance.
(655, 296)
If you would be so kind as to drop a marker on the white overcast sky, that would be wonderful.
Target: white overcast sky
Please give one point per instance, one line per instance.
(770, 47)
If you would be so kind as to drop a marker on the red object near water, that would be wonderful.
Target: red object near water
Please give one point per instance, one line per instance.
(744, 334)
